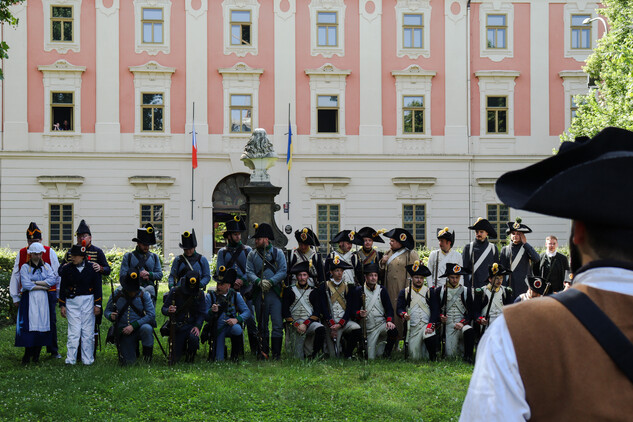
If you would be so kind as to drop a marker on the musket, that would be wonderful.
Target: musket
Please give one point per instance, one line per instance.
(443, 326)
(172, 335)
(492, 295)
(405, 330)
(214, 331)
(365, 345)
(260, 318)
(117, 335)
(334, 339)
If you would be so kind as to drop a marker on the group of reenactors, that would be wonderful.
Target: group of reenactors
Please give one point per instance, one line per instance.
(360, 302)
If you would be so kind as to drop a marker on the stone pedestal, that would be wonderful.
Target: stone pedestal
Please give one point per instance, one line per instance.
(261, 208)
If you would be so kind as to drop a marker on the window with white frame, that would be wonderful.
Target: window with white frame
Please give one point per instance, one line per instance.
(241, 97)
(413, 114)
(62, 25)
(574, 83)
(152, 92)
(152, 26)
(496, 31)
(496, 93)
(579, 38)
(62, 111)
(413, 28)
(241, 21)
(62, 98)
(152, 111)
(327, 27)
(413, 89)
(241, 113)
(327, 100)
(496, 114)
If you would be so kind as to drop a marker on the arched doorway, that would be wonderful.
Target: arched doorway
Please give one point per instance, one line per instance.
(228, 199)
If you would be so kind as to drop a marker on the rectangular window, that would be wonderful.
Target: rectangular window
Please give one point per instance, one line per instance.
(152, 24)
(62, 111)
(240, 27)
(153, 213)
(412, 27)
(327, 113)
(152, 112)
(62, 23)
(497, 114)
(327, 29)
(573, 108)
(241, 111)
(498, 215)
(496, 31)
(414, 220)
(413, 114)
(580, 33)
(328, 225)
(60, 225)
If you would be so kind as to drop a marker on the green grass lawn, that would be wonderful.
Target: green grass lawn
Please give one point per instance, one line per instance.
(333, 390)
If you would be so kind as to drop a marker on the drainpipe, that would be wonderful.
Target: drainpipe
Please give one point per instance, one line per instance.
(468, 123)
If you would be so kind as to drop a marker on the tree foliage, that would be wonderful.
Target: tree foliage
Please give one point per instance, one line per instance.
(6, 17)
(611, 64)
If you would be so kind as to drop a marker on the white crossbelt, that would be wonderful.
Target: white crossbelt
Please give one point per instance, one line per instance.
(517, 258)
(374, 299)
(302, 299)
(395, 255)
(483, 256)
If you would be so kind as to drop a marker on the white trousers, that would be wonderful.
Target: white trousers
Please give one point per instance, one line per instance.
(416, 336)
(350, 326)
(301, 345)
(376, 341)
(81, 323)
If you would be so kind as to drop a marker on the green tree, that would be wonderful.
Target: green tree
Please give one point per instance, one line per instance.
(611, 65)
(6, 17)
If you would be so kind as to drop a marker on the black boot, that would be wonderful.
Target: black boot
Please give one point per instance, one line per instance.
(276, 345)
(36, 354)
(147, 353)
(431, 347)
(351, 343)
(253, 343)
(27, 356)
(319, 338)
(264, 349)
(392, 338)
(237, 343)
(469, 345)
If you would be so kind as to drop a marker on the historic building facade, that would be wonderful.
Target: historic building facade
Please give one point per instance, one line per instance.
(403, 112)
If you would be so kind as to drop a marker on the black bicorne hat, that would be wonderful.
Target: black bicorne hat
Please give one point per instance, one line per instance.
(77, 250)
(368, 232)
(371, 268)
(344, 236)
(454, 269)
(589, 181)
(263, 230)
(538, 285)
(307, 237)
(234, 224)
(146, 235)
(225, 275)
(496, 269)
(418, 268)
(483, 224)
(301, 267)
(190, 283)
(517, 226)
(403, 236)
(188, 240)
(33, 232)
(83, 228)
(131, 282)
(445, 233)
(332, 263)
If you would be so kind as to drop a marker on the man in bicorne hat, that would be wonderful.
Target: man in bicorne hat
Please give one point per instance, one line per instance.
(376, 314)
(143, 262)
(393, 265)
(439, 258)
(518, 256)
(456, 313)
(301, 310)
(538, 360)
(266, 270)
(418, 308)
(367, 254)
(190, 260)
(340, 305)
(479, 254)
(490, 299)
(34, 235)
(306, 251)
(344, 252)
(537, 287)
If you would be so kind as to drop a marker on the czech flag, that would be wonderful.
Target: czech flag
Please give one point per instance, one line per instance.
(194, 146)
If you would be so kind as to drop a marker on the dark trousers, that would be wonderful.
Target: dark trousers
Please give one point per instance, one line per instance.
(185, 342)
(52, 306)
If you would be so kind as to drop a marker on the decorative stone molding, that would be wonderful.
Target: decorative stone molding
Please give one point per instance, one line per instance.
(501, 8)
(501, 83)
(370, 9)
(579, 7)
(152, 49)
(240, 79)
(151, 187)
(487, 186)
(62, 47)
(414, 187)
(197, 13)
(60, 187)
(253, 7)
(337, 6)
(62, 76)
(327, 187)
(327, 80)
(107, 11)
(574, 83)
(413, 81)
(285, 9)
(414, 7)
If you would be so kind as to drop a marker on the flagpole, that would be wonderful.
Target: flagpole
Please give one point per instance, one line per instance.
(193, 129)
(289, 152)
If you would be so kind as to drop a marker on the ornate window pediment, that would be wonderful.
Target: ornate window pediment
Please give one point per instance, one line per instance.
(327, 187)
(151, 187)
(414, 187)
(60, 187)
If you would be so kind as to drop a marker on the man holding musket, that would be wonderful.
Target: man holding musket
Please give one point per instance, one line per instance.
(190, 260)
(266, 270)
(367, 254)
(518, 256)
(144, 262)
(301, 310)
(376, 313)
(439, 258)
(479, 254)
(306, 251)
(132, 312)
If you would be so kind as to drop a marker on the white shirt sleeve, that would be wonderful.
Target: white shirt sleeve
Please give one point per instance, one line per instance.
(496, 391)
(55, 267)
(15, 280)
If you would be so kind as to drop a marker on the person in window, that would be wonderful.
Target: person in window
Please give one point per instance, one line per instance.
(65, 125)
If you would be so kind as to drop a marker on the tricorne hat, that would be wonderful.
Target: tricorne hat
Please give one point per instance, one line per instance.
(368, 232)
(263, 230)
(146, 235)
(332, 263)
(77, 250)
(83, 228)
(307, 237)
(496, 269)
(538, 285)
(188, 240)
(517, 226)
(445, 233)
(587, 181)
(418, 268)
(33, 232)
(454, 269)
(403, 236)
(344, 236)
(483, 224)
